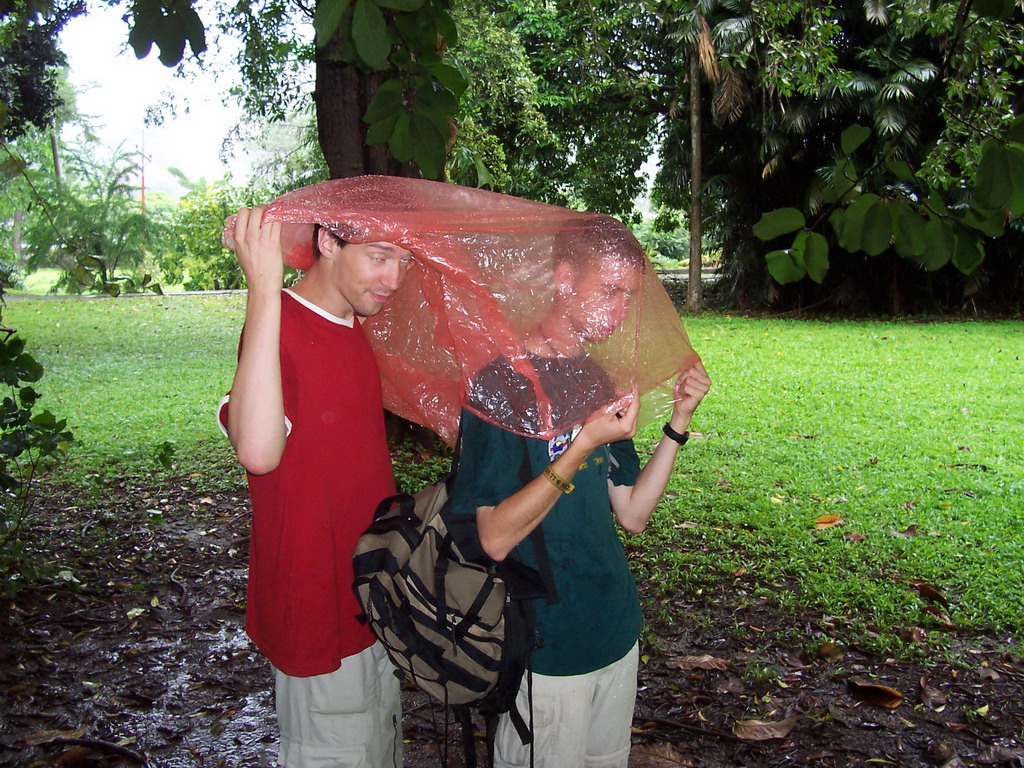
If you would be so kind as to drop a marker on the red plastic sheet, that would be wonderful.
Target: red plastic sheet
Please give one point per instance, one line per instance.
(464, 327)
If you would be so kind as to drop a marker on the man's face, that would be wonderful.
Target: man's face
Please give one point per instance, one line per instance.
(598, 297)
(367, 274)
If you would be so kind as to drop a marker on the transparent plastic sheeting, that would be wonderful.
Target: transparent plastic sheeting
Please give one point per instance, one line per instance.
(499, 280)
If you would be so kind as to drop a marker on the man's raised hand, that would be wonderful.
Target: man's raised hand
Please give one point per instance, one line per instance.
(258, 248)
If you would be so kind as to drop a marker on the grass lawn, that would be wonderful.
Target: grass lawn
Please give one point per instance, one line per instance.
(911, 433)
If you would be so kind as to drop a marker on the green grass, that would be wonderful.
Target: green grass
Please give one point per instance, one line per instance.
(132, 373)
(887, 424)
(39, 282)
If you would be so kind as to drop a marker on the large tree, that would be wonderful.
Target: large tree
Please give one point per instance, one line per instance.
(926, 82)
(382, 92)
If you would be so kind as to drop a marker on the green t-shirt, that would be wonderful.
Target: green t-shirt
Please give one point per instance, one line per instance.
(597, 618)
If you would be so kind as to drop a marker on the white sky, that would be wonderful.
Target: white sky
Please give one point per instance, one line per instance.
(115, 89)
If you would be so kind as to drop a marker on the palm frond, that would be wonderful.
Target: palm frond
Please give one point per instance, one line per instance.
(877, 11)
(889, 119)
(896, 92)
(707, 53)
(861, 83)
(731, 96)
(916, 71)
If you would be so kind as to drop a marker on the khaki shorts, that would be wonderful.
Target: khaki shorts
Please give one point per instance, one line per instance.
(579, 721)
(349, 718)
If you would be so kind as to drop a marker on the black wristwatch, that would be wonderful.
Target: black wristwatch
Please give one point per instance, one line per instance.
(673, 435)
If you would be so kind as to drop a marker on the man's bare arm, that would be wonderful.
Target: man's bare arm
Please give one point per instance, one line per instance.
(256, 422)
(502, 527)
(634, 504)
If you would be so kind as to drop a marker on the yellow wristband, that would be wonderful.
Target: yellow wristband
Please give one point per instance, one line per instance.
(563, 485)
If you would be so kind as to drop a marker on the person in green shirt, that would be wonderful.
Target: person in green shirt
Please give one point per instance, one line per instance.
(584, 481)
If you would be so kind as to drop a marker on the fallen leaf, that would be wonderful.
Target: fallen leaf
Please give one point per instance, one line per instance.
(911, 635)
(698, 662)
(929, 593)
(828, 521)
(940, 752)
(910, 533)
(939, 615)
(762, 730)
(989, 674)
(931, 697)
(661, 755)
(843, 716)
(851, 536)
(997, 755)
(76, 756)
(45, 737)
(829, 652)
(872, 693)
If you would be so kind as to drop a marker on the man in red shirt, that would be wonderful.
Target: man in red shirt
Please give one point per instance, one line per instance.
(305, 418)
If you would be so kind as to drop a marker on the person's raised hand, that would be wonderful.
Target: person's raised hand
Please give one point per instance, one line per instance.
(611, 427)
(258, 248)
(689, 391)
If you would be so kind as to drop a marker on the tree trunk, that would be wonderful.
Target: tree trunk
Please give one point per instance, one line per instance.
(16, 247)
(342, 94)
(694, 287)
(58, 174)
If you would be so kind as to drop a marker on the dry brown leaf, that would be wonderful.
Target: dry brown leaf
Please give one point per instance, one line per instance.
(698, 662)
(829, 652)
(929, 593)
(662, 755)
(912, 635)
(828, 521)
(910, 533)
(731, 685)
(75, 756)
(940, 752)
(931, 697)
(851, 536)
(939, 615)
(872, 693)
(989, 674)
(998, 755)
(762, 730)
(45, 737)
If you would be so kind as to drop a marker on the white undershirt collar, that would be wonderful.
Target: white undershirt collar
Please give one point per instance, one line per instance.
(348, 323)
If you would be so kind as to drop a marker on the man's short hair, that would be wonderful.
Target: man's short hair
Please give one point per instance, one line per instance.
(585, 249)
(316, 239)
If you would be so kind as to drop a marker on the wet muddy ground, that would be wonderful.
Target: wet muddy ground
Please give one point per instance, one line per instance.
(136, 655)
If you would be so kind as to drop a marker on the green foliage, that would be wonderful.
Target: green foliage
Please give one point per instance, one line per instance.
(29, 438)
(666, 249)
(887, 189)
(87, 221)
(196, 259)
(169, 24)
(30, 58)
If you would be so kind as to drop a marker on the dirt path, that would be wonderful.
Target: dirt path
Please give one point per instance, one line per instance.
(143, 658)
